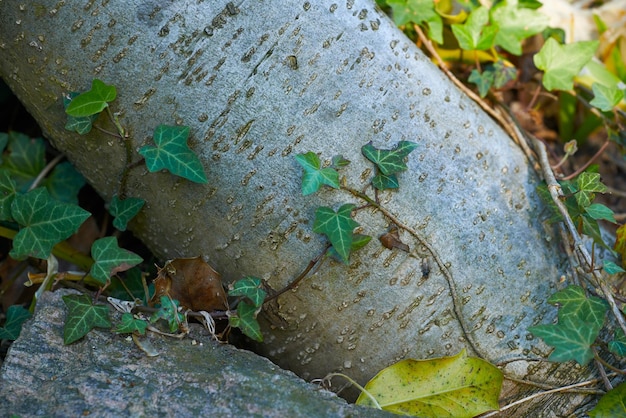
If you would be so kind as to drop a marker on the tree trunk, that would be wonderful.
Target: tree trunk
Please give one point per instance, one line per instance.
(259, 82)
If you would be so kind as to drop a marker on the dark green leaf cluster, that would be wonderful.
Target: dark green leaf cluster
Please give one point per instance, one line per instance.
(580, 319)
(16, 315)
(249, 289)
(388, 162)
(579, 195)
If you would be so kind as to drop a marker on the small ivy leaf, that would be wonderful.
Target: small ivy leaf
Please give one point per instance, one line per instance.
(130, 325)
(618, 345)
(612, 404)
(82, 317)
(571, 340)
(575, 304)
(561, 63)
(516, 24)
(93, 101)
(620, 243)
(474, 34)
(16, 315)
(456, 386)
(599, 211)
(172, 153)
(389, 161)
(338, 161)
(418, 11)
(8, 190)
(483, 81)
(503, 74)
(383, 182)
(110, 259)
(169, 312)
(25, 159)
(45, 223)
(124, 210)
(80, 125)
(314, 176)
(606, 98)
(612, 268)
(338, 227)
(588, 185)
(249, 287)
(358, 241)
(64, 183)
(591, 228)
(246, 321)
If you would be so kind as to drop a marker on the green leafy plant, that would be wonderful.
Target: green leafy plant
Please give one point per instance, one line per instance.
(170, 312)
(16, 316)
(82, 317)
(249, 289)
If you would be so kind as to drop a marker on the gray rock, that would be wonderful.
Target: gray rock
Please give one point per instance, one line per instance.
(105, 374)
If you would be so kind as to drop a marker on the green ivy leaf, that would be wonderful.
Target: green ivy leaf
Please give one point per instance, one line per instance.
(561, 63)
(612, 268)
(249, 287)
(45, 222)
(314, 176)
(173, 154)
(474, 34)
(389, 161)
(358, 241)
(588, 184)
(502, 73)
(64, 183)
(575, 304)
(516, 24)
(246, 321)
(571, 340)
(591, 228)
(618, 345)
(82, 317)
(124, 210)
(169, 312)
(132, 287)
(418, 11)
(93, 101)
(130, 324)
(8, 190)
(612, 404)
(16, 316)
(606, 98)
(338, 161)
(110, 259)
(81, 125)
(383, 182)
(483, 81)
(25, 159)
(599, 211)
(338, 227)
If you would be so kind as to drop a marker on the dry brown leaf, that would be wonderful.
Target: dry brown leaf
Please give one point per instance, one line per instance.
(193, 283)
(392, 240)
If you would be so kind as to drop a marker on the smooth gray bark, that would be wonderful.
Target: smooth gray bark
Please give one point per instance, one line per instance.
(259, 82)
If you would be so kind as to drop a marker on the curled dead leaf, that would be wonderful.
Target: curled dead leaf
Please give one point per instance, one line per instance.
(391, 239)
(193, 283)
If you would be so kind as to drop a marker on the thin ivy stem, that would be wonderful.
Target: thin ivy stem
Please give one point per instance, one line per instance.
(43, 173)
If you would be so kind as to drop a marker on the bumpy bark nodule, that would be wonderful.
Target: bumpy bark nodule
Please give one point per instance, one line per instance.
(259, 82)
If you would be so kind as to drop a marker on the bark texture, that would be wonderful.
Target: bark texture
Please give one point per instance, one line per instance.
(259, 82)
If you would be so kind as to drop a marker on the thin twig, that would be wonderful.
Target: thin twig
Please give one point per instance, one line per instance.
(43, 173)
(556, 193)
(588, 163)
(536, 395)
(301, 276)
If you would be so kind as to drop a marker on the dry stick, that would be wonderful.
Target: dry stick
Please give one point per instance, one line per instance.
(557, 194)
(536, 395)
(550, 387)
(45, 171)
(301, 276)
(444, 269)
(588, 163)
